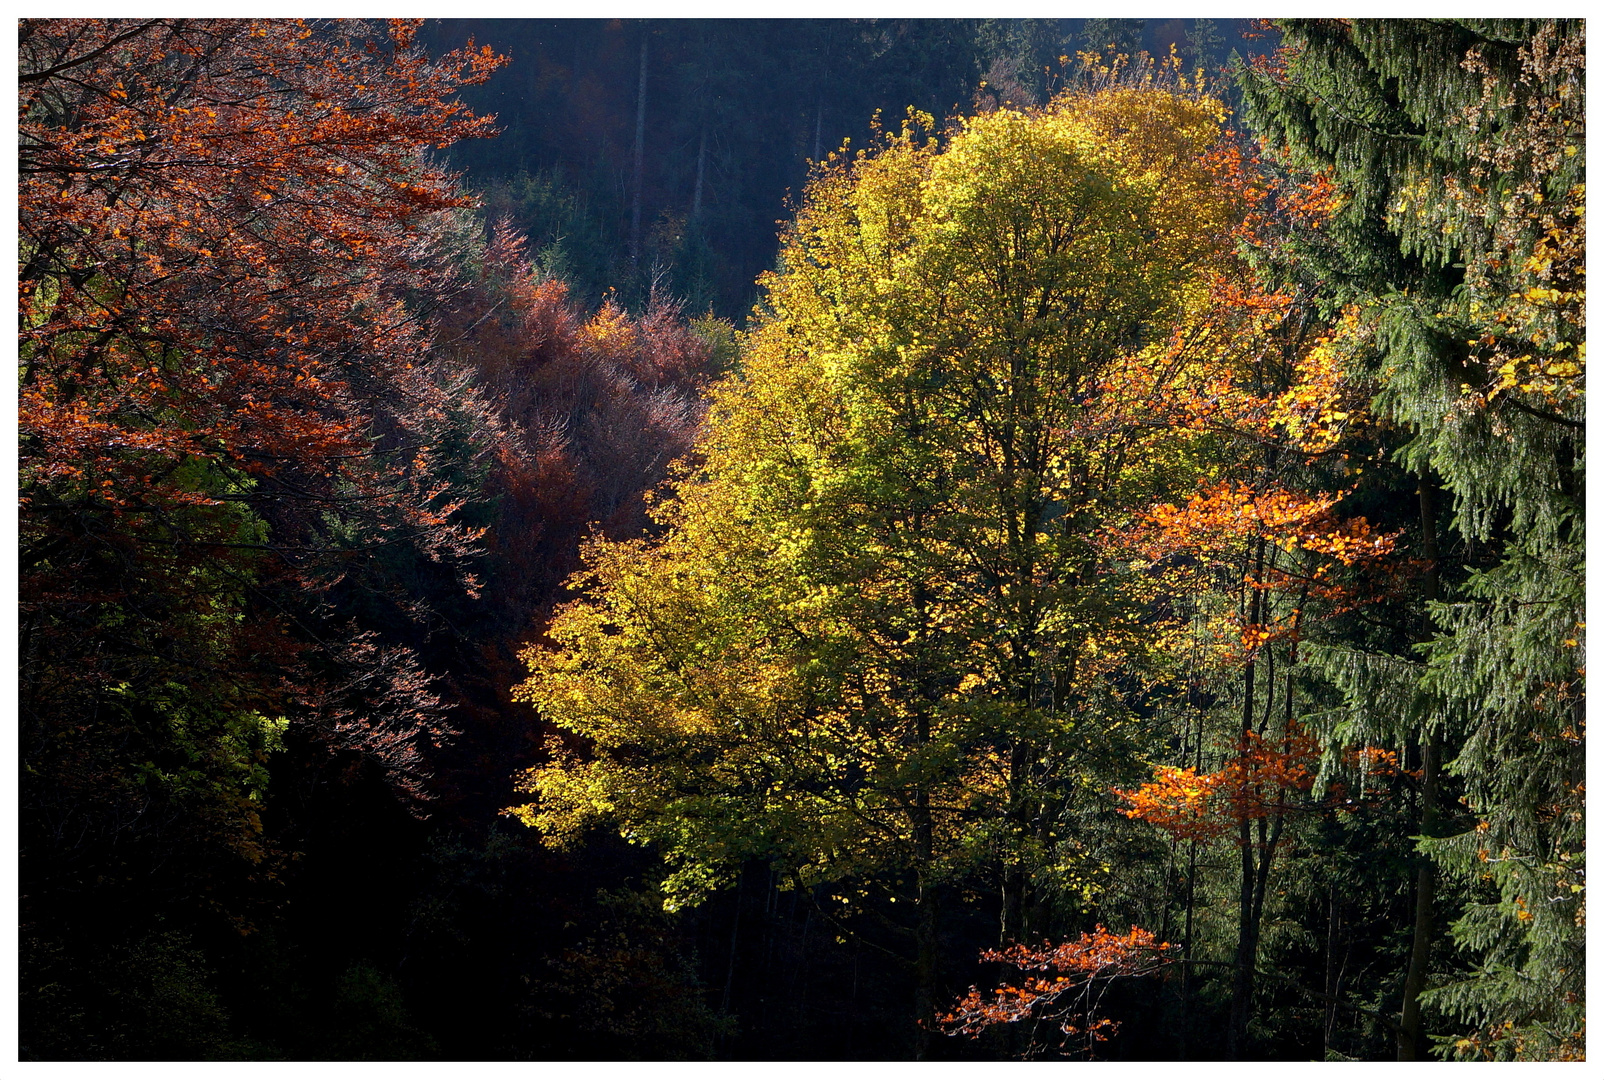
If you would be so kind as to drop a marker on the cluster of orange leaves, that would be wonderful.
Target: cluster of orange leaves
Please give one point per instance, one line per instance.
(1271, 203)
(1288, 519)
(1375, 768)
(1068, 969)
(1373, 760)
(1230, 516)
(1252, 784)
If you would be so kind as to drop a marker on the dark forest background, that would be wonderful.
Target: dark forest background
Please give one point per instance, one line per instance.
(733, 113)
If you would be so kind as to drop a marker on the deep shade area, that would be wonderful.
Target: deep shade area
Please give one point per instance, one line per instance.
(733, 112)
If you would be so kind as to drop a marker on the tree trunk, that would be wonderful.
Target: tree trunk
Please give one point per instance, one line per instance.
(701, 170)
(640, 152)
(925, 961)
(1186, 948)
(1013, 908)
(926, 967)
(1015, 875)
(1247, 942)
(1246, 946)
(735, 929)
(1411, 1039)
(1329, 1021)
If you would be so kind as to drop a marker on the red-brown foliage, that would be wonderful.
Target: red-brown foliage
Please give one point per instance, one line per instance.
(216, 219)
(1074, 973)
(601, 406)
(230, 243)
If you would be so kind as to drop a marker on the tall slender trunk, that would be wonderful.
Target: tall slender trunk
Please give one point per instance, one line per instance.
(818, 111)
(735, 930)
(1247, 942)
(1410, 1036)
(1015, 876)
(1411, 1039)
(729, 970)
(1191, 893)
(1246, 946)
(1165, 906)
(1009, 929)
(926, 965)
(701, 170)
(1186, 950)
(640, 151)
(1333, 979)
(922, 818)
(926, 929)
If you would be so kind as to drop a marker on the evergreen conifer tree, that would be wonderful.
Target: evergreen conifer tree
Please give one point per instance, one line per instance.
(1457, 151)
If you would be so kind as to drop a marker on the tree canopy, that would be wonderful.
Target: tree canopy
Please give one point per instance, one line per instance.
(898, 628)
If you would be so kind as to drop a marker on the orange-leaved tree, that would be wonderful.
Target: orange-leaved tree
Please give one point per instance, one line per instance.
(1255, 559)
(1261, 549)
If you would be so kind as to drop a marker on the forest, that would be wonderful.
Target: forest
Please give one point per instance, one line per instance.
(857, 539)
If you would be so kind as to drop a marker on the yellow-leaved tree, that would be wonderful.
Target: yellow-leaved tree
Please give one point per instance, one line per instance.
(890, 636)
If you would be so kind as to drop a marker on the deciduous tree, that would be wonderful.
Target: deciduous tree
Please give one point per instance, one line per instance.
(230, 239)
(885, 634)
